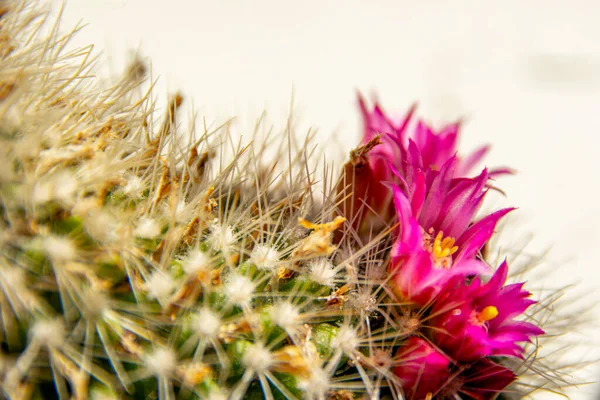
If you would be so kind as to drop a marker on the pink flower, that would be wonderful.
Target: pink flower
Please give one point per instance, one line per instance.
(444, 203)
(377, 122)
(478, 320)
(483, 380)
(437, 238)
(426, 373)
(422, 369)
(403, 156)
(429, 150)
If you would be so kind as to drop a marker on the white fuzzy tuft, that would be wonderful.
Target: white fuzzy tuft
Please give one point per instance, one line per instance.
(286, 315)
(239, 289)
(50, 333)
(363, 301)
(160, 286)
(182, 212)
(221, 238)
(323, 272)
(207, 323)
(264, 257)
(197, 261)
(317, 386)
(60, 249)
(257, 358)
(102, 226)
(162, 362)
(65, 186)
(134, 187)
(42, 192)
(60, 187)
(346, 340)
(147, 228)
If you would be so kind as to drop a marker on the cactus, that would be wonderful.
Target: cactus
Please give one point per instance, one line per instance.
(140, 261)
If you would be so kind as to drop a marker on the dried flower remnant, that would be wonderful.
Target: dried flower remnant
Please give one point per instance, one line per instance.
(319, 241)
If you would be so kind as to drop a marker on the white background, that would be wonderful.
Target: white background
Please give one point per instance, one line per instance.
(524, 75)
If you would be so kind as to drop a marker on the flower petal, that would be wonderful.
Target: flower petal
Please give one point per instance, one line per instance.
(473, 239)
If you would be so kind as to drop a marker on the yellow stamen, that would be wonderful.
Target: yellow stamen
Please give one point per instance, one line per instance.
(487, 314)
(443, 247)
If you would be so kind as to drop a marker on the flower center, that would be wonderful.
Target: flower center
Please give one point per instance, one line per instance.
(479, 318)
(487, 314)
(441, 248)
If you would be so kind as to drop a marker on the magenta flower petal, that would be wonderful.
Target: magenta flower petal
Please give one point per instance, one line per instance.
(410, 235)
(478, 234)
(421, 368)
(402, 127)
(377, 122)
(469, 162)
(461, 204)
(436, 148)
(485, 379)
(437, 194)
(418, 193)
(469, 267)
(496, 172)
(424, 371)
(415, 280)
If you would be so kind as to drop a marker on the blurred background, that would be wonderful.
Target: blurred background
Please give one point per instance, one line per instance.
(525, 77)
